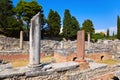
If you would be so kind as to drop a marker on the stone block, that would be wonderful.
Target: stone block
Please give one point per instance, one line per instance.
(1, 47)
(84, 65)
(64, 55)
(5, 66)
(99, 56)
(97, 65)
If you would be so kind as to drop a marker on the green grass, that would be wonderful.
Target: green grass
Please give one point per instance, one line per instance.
(20, 63)
(109, 62)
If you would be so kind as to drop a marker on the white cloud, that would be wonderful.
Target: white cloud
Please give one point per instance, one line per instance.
(113, 29)
(100, 30)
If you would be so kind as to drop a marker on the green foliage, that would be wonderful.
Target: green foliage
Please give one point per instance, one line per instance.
(67, 24)
(75, 26)
(70, 25)
(118, 27)
(113, 34)
(13, 27)
(88, 27)
(9, 25)
(98, 36)
(26, 10)
(108, 33)
(54, 23)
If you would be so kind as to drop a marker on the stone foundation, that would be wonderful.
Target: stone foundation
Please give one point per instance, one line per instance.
(64, 55)
(98, 73)
(70, 55)
(99, 56)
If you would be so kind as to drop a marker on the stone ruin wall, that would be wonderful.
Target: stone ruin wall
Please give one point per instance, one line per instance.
(101, 73)
(11, 45)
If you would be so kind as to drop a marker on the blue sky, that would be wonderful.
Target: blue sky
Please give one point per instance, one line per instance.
(103, 13)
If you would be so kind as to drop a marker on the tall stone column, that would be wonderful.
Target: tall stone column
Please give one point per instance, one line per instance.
(88, 40)
(80, 46)
(21, 39)
(81, 50)
(35, 37)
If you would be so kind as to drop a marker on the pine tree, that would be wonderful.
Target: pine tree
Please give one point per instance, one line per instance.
(25, 11)
(9, 25)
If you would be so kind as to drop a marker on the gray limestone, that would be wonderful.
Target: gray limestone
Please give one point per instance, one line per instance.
(12, 72)
(62, 44)
(59, 71)
(5, 66)
(64, 66)
(117, 73)
(35, 37)
(53, 67)
(45, 70)
(94, 65)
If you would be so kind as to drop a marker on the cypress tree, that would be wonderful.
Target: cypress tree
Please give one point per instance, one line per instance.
(70, 25)
(118, 27)
(113, 34)
(54, 23)
(108, 33)
(67, 23)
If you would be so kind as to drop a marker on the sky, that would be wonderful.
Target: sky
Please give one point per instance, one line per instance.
(103, 13)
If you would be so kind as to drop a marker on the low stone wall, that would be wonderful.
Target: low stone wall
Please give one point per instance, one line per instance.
(48, 46)
(17, 56)
(99, 56)
(66, 55)
(13, 57)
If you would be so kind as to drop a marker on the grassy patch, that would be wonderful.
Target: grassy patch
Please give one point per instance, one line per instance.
(109, 62)
(20, 63)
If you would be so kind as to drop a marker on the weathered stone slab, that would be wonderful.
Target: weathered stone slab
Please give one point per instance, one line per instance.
(117, 73)
(12, 72)
(54, 67)
(97, 65)
(64, 66)
(38, 73)
(5, 66)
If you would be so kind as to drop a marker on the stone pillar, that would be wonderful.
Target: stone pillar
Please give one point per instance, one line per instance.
(21, 39)
(35, 37)
(80, 46)
(88, 40)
